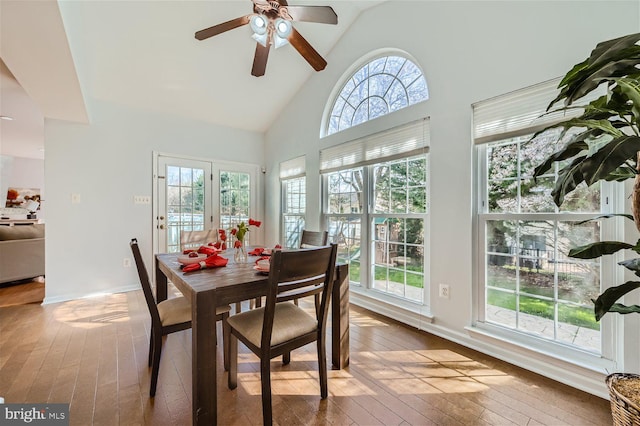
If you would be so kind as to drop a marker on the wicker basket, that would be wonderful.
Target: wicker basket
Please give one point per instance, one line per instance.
(624, 411)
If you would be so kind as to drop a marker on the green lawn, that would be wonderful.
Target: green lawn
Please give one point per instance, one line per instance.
(413, 280)
(570, 314)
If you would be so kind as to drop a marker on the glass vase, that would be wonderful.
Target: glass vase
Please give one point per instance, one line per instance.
(240, 253)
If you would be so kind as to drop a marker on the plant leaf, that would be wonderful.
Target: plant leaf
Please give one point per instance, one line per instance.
(605, 216)
(606, 50)
(632, 265)
(619, 68)
(631, 88)
(621, 174)
(605, 301)
(611, 58)
(569, 150)
(619, 308)
(569, 177)
(609, 158)
(600, 248)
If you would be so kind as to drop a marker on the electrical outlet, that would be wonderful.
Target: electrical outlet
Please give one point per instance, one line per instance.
(443, 291)
(141, 199)
(126, 262)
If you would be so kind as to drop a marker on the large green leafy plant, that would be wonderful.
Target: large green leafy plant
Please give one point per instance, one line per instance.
(603, 143)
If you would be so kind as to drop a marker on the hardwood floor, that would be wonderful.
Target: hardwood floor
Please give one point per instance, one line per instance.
(23, 293)
(92, 353)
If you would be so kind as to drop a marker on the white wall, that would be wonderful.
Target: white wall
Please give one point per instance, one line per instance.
(469, 51)
(107, 163)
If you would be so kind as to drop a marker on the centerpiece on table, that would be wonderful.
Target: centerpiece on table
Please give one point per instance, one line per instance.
(240, 231)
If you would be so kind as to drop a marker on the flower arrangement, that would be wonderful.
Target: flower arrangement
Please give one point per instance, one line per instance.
(240, 231)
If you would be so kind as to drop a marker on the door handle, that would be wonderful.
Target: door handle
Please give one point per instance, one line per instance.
(161, 226)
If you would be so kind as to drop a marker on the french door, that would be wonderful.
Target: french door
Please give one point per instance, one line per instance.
(184, 200)
(195, 195)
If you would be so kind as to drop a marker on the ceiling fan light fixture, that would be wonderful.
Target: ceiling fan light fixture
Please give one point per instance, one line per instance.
(260, 38)
(259, 24)
(283, 28)
(279, 41)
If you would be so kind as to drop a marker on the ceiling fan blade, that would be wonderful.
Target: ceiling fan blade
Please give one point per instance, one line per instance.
(320, 14)
(306, 50)
(221, 28)
(260, 60)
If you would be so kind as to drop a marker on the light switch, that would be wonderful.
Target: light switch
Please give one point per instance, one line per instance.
(75, 198)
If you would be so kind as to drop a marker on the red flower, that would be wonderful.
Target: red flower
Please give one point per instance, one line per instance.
(255, 223)
(237, 244)
(234, 231)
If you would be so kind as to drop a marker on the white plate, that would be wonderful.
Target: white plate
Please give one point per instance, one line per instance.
(262, 271)
(264, 264)
(186, 260)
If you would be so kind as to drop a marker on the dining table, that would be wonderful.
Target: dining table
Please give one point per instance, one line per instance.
(235, 282)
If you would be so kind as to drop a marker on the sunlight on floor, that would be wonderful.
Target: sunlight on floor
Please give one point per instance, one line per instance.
(94, 312)
(403, 372)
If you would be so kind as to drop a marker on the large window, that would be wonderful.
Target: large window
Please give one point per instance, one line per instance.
(376, 209)
(528, 282)
(294, 200)
(345, 212)
(382, 86)
(398, 209)
(294, 193)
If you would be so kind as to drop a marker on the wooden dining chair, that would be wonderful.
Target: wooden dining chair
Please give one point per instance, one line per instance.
(169, 316)
(194, 239)
(278, 328)
(311, 239)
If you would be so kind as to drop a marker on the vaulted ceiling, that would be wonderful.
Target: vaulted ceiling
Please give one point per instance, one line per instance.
(68, 55)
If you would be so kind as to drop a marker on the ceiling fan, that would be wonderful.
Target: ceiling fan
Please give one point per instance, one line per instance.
(271, 24)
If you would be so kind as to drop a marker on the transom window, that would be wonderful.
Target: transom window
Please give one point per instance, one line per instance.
(382, 86)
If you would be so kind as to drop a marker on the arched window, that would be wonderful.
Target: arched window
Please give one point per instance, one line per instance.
(383, 85)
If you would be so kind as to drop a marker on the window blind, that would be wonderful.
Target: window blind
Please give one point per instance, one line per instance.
(293, 168)
(397, 142)
(520, 112)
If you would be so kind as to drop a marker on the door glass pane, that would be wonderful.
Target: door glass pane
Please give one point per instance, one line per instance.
(235, 196)
(185, 203)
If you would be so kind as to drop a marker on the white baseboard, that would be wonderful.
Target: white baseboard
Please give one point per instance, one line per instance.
(69, 296)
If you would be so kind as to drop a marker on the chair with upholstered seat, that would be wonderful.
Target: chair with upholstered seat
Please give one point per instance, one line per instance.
(169, 316)
(194, 239)
(312, 239)
(278, 328)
